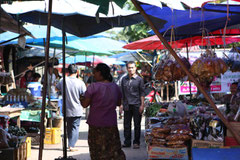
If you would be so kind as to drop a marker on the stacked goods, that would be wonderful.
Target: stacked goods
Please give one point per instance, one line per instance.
(170, 70)
(208, 66)
(5, 78)
(171, 135)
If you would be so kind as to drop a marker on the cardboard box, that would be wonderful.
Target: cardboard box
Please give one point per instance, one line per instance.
(236, 126)
(155, 152)
(206, 144)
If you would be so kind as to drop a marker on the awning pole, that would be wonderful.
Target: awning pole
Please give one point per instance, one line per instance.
(42, 127)
(228, 125)
(64, 95)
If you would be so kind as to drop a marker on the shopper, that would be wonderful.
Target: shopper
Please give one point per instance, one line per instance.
(26, 79)
(103, 96)
(51, 79)
(75, 88)
(133, 104)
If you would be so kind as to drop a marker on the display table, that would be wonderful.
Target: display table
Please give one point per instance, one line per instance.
(33, 115)
(12, 112)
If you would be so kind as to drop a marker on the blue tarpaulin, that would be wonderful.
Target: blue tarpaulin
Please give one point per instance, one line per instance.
(191, 22)
(77, 17)
(99, 44)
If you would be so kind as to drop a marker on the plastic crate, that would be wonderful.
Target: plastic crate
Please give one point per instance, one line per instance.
(29, 141)
(56, 135)
(48, 136)
(52, 136)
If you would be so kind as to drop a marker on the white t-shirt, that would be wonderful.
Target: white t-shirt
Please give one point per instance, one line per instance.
(74, 89)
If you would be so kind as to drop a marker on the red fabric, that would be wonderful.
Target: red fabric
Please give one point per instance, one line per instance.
(228, 32)
(23, 83)
(153, 42)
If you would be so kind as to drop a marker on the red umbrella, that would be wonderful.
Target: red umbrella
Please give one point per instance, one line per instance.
(153, 42)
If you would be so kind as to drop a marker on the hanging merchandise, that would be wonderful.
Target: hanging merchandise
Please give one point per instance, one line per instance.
(208, 66)
(233, 61)
(169, 70)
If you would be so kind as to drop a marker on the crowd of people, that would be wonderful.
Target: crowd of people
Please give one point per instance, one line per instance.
(102, 95)
(102, 89)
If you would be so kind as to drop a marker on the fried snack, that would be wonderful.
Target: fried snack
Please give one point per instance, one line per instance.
(181, 131)
(177, 146)
(165, 130)
(159, 135)
(175, 143)
(157, 141)
(178, 137)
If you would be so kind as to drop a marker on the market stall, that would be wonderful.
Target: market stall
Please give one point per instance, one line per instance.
(202, 123)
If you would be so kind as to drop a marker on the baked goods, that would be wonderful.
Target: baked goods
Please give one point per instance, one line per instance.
(178, 137)
(208, 66)
(170, 70)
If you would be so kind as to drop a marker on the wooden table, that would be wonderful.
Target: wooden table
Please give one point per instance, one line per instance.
(12, 112)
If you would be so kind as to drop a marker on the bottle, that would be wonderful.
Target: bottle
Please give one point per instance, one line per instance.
(26, 100)
(14, 99)
(18, 98)
(22, 98)
(10, 99)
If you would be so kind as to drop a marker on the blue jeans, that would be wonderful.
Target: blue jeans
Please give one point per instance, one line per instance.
(73, 124)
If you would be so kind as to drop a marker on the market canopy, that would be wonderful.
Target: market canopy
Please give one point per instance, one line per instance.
(77, 17)
(132, 56)
(99, 44)
(180, 24)
(153, 42)
(104, 4)
(10, 24)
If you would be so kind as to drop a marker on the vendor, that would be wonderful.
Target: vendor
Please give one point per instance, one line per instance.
(26, 79)
(232, 101)
(232, 98)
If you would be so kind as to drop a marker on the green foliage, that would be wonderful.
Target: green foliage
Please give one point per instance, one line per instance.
(152, 110)
(133, 32)
(16, 131)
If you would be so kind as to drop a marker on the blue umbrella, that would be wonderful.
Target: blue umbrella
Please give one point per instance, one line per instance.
(190, 22)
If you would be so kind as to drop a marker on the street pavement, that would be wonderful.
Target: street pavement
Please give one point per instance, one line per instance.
(54, 151)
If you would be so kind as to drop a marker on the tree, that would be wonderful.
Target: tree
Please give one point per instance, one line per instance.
(133, 32)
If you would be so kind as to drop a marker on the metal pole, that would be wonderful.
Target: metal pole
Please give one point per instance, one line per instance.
(228, 125)
(42, 127)
(64, 95)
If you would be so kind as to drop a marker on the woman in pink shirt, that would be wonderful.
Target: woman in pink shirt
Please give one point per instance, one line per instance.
(103, 97)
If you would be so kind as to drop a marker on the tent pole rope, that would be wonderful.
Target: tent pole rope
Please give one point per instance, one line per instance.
(228, 125)
(190, 85)
(144, 59)
(42, 127)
